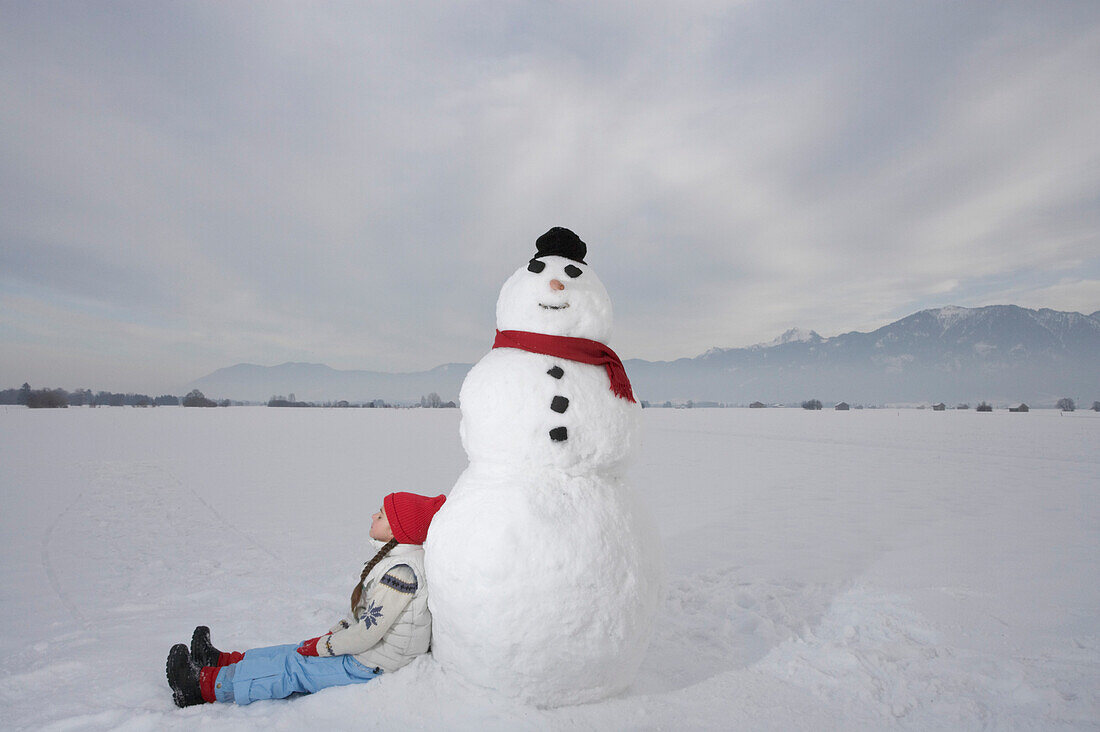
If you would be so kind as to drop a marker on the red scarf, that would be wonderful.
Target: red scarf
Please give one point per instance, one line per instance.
(574, 349)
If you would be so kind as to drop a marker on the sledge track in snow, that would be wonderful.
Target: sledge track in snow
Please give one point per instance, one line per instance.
(103, 532)
(236, 529)
(47, 565)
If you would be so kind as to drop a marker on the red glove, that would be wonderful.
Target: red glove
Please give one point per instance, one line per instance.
(309, 647)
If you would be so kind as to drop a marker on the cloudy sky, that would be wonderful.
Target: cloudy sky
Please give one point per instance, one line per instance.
(185, 186)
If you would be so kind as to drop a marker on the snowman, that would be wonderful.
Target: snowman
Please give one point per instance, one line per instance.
(544, 570)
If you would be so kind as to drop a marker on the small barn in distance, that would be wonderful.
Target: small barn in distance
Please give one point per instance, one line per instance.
(842, 407)
(941, 407)
(1021, 408)
(757, 405)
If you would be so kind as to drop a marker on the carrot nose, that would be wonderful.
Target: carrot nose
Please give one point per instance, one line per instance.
(556, 285)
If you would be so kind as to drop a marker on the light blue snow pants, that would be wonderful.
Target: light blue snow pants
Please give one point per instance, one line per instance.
(277, 672)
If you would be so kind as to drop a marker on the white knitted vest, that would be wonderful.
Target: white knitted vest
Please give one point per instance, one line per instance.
(411, 634)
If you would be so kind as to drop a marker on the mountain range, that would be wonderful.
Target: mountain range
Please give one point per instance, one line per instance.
(1002, 354)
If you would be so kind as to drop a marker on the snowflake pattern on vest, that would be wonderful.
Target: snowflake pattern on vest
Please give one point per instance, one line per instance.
(370, 615)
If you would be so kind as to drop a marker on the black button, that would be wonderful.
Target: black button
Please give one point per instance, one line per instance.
(559, 404)
(559, 434)
(556, 372)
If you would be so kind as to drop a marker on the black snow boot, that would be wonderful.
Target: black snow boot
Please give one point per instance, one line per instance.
(183, 677)
(202, 652)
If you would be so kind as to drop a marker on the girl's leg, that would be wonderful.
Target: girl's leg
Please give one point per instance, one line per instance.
(277, 672)
(269, 651)
(203, 652)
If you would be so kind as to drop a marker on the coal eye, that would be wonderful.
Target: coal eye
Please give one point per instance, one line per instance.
(573, 272)
(536, 266)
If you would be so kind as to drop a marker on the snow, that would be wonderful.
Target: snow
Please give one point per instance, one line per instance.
(951, 315)
(893, 364)
(873, 569)
(793, 335)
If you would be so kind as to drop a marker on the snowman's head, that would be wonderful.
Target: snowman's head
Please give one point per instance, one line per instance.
(556, 294)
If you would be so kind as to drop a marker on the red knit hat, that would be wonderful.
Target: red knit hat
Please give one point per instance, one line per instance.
(410, 514)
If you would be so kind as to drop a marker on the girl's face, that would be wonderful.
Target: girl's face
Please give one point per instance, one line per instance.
(380, 526)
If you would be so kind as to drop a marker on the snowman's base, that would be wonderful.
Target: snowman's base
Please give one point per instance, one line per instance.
(543, 588)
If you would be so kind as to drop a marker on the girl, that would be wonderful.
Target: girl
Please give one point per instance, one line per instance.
(389, 625)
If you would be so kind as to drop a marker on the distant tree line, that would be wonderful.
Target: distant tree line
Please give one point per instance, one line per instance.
(1064, 404)
(434, 401)
(431, 401)
(281, 401)
(196, 398)
(60, 398)
(46, 399)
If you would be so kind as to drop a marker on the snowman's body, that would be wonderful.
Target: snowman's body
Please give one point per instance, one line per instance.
(510, 402)
(544, 572)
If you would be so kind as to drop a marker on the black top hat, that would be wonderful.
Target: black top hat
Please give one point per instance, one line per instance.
(561, 242)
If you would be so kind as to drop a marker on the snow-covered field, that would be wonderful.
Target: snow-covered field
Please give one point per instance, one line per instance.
(828, 570)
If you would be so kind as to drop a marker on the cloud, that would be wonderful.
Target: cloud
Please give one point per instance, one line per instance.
(351, 184)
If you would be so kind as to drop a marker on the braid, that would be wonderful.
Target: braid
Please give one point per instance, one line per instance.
(358, 591)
